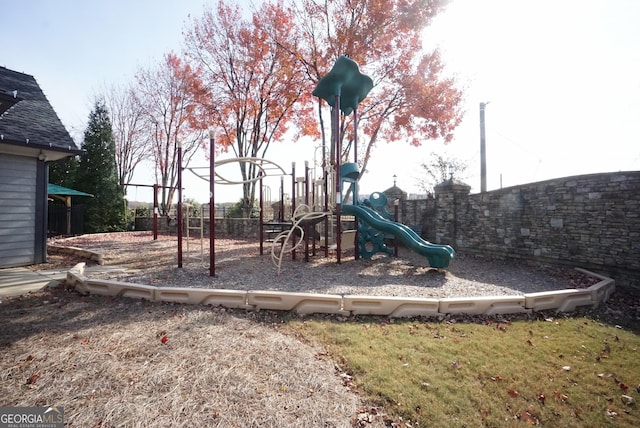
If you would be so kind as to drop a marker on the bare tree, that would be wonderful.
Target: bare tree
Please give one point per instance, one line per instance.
(439, 170)
(127, 121)
(169, 94)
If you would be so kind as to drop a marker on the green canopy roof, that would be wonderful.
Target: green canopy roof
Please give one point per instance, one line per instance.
(54, 189)
(344, 79)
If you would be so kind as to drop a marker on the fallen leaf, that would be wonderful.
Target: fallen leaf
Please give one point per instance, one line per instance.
(530, 418)
(513, 393)
(33, 378)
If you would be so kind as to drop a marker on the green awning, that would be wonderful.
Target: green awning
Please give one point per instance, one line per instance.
(54, 189)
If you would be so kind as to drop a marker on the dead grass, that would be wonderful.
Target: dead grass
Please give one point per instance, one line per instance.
(127, 363)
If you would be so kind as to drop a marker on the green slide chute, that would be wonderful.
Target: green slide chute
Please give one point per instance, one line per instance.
(439, 256)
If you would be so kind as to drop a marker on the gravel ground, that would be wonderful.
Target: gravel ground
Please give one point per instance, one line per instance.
(239, 266)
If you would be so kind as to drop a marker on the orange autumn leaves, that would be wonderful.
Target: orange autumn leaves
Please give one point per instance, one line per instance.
(252, 75)
(248, 77)
(260, 72)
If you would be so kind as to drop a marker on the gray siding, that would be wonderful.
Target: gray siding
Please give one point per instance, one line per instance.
(17, 210)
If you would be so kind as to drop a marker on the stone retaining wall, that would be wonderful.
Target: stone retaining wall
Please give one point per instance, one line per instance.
(589, 220)
(225, 227)
(86, 254)
(235, 227)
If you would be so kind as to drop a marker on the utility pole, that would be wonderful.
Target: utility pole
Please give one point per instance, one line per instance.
(483, 151)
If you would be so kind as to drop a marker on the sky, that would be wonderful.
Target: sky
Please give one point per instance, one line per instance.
(561, 79)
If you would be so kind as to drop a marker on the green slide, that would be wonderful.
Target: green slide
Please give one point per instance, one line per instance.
(439, 256)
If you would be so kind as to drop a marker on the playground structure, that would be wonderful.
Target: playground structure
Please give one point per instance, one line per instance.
(374, 228)
(343, 88)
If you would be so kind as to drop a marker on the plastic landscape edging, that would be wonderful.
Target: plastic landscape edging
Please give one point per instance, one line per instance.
(565, 300)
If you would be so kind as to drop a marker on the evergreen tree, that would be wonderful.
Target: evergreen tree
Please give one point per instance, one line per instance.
(63, 172)
(97, 174)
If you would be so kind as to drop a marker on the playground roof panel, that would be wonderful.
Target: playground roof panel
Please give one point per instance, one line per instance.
(346, 80)
(54, 189)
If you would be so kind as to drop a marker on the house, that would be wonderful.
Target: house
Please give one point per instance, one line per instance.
(31, 135)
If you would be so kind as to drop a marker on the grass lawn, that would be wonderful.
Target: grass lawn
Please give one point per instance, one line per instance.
(560, 372)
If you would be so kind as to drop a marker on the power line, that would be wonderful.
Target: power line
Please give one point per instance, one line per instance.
(511, 140)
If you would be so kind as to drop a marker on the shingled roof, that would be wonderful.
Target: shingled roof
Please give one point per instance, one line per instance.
(30, 120)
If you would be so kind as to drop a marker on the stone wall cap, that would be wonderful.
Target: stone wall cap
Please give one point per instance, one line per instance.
(456, 185)
(395, 190)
